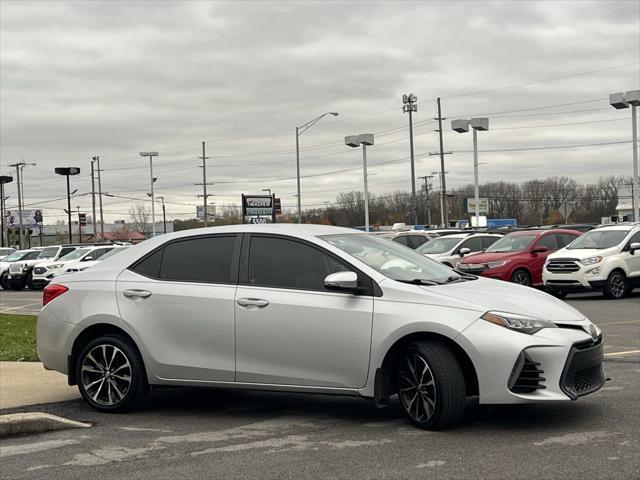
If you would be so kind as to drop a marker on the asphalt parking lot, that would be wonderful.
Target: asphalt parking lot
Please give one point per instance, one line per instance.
(194, 433)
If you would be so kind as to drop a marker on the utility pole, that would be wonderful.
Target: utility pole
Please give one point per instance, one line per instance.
(3, 179)
(442, 203)
(93, 200)
(19, 166)
(443, 182)
(204, 185)
(426, 192)
(97, 159)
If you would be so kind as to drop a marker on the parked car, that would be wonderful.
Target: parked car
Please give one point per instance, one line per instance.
(5, 252)
(411, 238)
(19, 278)
(14, 265)
(519, 256)
(43, 273)
(311, 308)
(606, 259)
(450, 249)
(82, 266)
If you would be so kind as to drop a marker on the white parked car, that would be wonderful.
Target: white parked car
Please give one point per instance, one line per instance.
(311, 308)
(5, 252)
(450, 249)
(82, 266)
(605, 259)
(43, 273)
(15, 264)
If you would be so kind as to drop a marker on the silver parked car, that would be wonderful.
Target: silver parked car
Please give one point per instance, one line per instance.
(311, 308)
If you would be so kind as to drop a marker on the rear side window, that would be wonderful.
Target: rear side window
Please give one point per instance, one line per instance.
(402, 240)
(548, 241)
(488, 241)
(207, 259)
(32, 255)
(150, 265)
(65, 250)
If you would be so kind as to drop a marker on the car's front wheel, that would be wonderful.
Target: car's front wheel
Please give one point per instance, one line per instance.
(616, 286)
(111, 375)
(431, 385)
(521, 277)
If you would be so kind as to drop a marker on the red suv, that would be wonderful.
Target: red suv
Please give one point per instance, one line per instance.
(519, 256)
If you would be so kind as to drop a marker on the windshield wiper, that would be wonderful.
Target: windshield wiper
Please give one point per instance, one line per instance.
(419, 281)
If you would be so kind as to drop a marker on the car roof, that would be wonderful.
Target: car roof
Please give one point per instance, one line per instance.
(625, 228)
(308, 229)
(544, 232)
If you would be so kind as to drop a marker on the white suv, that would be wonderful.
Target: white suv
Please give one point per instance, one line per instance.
(44, 273)
(606, 259)
(450, 249)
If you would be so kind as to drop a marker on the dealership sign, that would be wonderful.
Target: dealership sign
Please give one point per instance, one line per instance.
(30, 218)
(470, 205)
(256, 205)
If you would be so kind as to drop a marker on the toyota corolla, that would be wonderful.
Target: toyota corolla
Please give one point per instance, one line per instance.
(310, 308)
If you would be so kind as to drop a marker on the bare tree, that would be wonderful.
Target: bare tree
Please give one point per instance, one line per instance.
(140, 215)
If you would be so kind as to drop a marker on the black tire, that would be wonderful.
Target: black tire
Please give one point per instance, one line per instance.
(616, 286)
(444, 392)
(521, 277)
(106, 401)
(29, 280)
(4, 283)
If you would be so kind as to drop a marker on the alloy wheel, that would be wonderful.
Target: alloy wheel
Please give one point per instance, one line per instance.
(617, 285)
(521, 278)
(106, 374)
(417, 389)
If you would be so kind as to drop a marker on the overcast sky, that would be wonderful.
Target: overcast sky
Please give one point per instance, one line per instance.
(115, 78)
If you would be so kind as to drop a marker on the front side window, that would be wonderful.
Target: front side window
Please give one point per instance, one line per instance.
(488, 241)
(565, 239)
(204, 259)
(14, 257)
(391, 260)
(278, 262)
(474, 244)
(438, 245)
(548, 241)
(512, 243)
(76, 254)
(599, 239)
(96, 254)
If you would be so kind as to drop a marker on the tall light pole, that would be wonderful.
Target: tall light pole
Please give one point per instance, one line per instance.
(299, 131)
(93, 199)
(623, 100)
(462, 126)
(410, 105)
(153, 180)
(164, 215)
(67, 172)
(354, 141)
(3, 179)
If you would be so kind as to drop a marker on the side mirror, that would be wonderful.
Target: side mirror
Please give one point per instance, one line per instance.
(540, 249)
(87, 258)
(464, 251)
(633, 247)
(341, 281)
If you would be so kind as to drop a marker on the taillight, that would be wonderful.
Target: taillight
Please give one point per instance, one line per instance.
(51, 292)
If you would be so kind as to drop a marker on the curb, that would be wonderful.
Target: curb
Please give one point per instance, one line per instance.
(35, 422)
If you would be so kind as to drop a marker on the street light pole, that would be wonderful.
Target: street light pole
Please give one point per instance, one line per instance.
(623, 100)
(164, 215)
(153, 209)
(67, 172)
(410, 105)
(299, 131)
(93, 199)
(354, 141)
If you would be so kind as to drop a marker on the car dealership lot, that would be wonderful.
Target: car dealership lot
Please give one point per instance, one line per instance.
(226, 434)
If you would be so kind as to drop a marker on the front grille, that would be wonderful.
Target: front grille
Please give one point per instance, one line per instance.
(526, 376)
(39, 270)
(15, 268)
(562, 265)
(472, 267)
(583, 372)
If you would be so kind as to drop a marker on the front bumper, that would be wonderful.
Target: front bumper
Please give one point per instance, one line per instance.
(555, 364)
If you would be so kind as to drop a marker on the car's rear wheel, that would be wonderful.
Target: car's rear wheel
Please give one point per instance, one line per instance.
(431, 386)
(616, 286)
(4, 282)
(521, 277)
(111, 375)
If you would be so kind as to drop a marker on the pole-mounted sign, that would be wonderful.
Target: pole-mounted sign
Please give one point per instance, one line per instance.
(259, 205)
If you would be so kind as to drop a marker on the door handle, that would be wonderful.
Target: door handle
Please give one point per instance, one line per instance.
(135, 293)
(252, 302)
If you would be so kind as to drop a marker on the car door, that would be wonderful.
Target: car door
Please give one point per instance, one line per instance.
(290, 330)
(179, 300)
(536, 262)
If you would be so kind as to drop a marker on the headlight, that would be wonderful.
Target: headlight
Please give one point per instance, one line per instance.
(519, 323)
(591, 260)
(55, 266)
(593, 271)
(497, 263)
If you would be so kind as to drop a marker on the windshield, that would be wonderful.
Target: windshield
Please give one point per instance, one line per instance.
(511, 243)
(111, 253)
(391, 259)
(438, 245)
(599, 239)
(6, 251)
(49, 252)
(16, 256)
(76, 254)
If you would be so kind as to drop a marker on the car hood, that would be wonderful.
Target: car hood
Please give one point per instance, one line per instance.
(483, 295)
(489, 257)
(582, 253)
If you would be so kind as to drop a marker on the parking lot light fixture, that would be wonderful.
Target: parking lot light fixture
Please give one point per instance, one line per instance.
(299, 131)
(153, 180)
(355, 141)
(463, 126)
(67, 172)
(619, 101)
